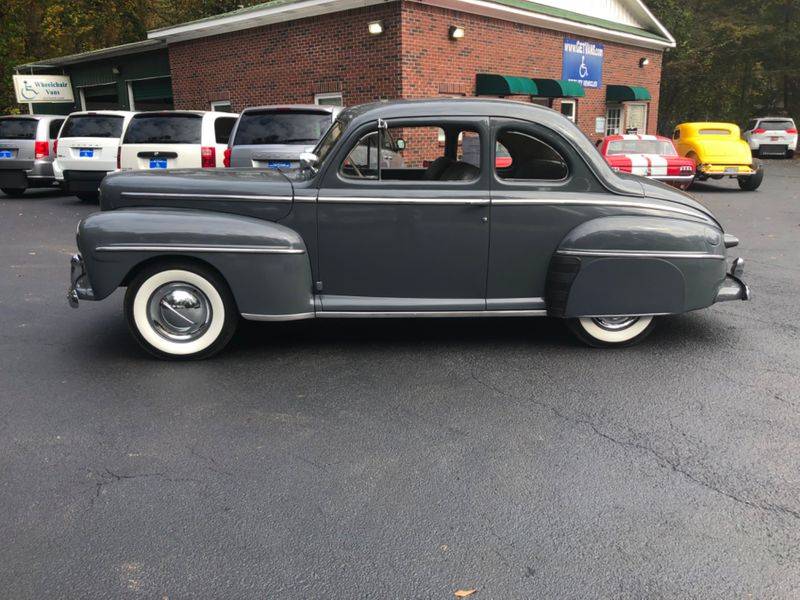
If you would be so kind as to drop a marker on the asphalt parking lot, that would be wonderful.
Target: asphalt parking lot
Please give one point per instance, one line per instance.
(402, 459)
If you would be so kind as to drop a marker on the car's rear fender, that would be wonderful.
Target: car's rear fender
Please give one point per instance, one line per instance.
(636, 265)
(264, 263)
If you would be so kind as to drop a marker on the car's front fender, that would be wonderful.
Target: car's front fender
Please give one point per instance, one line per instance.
(264, 263)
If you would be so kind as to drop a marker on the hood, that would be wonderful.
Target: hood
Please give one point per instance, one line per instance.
(213, 189)
(656, 190)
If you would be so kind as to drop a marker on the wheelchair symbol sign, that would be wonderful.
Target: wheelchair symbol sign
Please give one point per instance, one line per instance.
(583, 63)
(28, 91)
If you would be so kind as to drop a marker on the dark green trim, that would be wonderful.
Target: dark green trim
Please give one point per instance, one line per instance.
(559, 88)
(627, 93)
(488, 84)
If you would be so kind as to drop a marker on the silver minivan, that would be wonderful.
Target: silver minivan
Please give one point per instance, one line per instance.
(27, 151)
(274, 137)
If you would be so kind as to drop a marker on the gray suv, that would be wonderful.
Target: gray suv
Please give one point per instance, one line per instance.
(273, 137)
(27, 151)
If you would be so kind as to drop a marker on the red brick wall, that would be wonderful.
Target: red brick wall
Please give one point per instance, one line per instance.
(413, 58)
(434, 65)
(290, 62)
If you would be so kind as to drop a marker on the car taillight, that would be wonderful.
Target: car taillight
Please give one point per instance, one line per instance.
(208, 157)
(41, 149)
(119, 157)
(226, 158)
(791, 131)
(759, 131)
(687, 169)
(55, 147)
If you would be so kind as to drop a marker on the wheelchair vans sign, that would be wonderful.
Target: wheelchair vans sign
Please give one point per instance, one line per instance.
(43, 88)
(583, 63)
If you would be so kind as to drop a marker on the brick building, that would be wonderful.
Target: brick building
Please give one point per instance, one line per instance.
(598, 62)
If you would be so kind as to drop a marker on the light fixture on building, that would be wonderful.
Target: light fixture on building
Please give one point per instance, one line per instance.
(115, 70)
(456, 32)
(643, 62)
(375, 27)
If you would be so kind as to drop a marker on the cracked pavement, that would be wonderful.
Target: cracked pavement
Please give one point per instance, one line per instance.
(360, 459)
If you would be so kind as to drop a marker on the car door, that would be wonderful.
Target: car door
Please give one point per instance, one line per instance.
(394, 233)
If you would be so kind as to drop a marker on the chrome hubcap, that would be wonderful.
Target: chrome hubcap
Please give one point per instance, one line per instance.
(179, 312)
(615, 323)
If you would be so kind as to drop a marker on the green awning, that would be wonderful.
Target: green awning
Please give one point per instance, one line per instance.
(559, 88)
(488, 84)
(626, 93)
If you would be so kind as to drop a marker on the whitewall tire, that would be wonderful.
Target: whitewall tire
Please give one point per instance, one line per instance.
(611, 332)
(180, 310)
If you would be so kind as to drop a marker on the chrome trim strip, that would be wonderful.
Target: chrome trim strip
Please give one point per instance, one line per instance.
(279, 318)
(640, 254)
(391, 200)
(429, 313)
(179, 196)
(192, 248)
(534, 201)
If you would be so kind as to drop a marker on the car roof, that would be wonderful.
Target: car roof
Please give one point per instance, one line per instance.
(708, 124)
(147, 113)
(33, 117)
(289, 107)
(116, 113)
(631, 137)
(773, 119)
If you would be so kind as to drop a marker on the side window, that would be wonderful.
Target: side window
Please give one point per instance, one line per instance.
(676, 135)
(416, 153)
(531, 159)
(55, 126)
(222, 129)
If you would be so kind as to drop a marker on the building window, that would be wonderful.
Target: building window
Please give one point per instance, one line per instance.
(222, 106)
(329, 99)
(99, 97)
(569, 109)
(152, 93)
(613, 118)
(636, 118)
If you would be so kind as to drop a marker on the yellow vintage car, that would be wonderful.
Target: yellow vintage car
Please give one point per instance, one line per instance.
(719, 151)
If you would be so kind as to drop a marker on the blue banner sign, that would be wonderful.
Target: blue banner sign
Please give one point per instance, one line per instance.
(583, 63)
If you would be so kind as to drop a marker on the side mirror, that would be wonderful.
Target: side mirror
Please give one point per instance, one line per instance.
(309, 160)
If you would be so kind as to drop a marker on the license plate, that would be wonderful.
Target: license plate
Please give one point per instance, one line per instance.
(732, 170)
(158, 163)
(6, 154)
(86, 153)
(774, 139)
(279, 164)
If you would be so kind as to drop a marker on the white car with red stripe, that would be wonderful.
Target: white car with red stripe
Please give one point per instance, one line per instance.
(651, 156)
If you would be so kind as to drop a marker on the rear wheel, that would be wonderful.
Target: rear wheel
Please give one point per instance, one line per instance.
(88, 196)
(611, 332)
(13, 192)
(790, 154)
(752, 182)
(180, 310)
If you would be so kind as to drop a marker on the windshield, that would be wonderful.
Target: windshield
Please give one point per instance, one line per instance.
(327, 143)
(92, 126)
(662, 147)
(776, 125)
(270, 127)
(164, 129)
(18, 129)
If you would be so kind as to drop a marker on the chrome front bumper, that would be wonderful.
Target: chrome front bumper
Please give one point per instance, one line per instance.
(79, 287)
(733, 288)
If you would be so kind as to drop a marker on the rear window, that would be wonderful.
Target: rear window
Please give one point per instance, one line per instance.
(269, 127)
(18, 129)
(92, 126)
(164, 129)
(776, 125)
(715, 132)
(662, 147)
(222, 129)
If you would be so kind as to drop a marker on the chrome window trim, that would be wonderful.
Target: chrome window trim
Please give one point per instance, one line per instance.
(640, 254)
(199, 248)
(179, 196)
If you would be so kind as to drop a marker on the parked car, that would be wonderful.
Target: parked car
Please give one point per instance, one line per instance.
(273, 137)
(555, 232)
(87, 150)
(176, 139)
(718, 151)
(27, 148)
(651, 156)
(772, 136)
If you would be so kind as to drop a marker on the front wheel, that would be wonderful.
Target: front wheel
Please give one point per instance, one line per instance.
(611, 332)
(752, 182)
(180, 310)
(13, 192)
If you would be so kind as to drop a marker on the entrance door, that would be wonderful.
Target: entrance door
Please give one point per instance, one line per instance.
(403, 218)
(636, 118)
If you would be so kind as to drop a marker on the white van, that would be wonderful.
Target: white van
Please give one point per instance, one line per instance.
(87, 150)
(176, 139)
(775, 136)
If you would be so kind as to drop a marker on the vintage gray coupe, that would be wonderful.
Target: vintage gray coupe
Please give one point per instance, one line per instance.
(433, 208)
